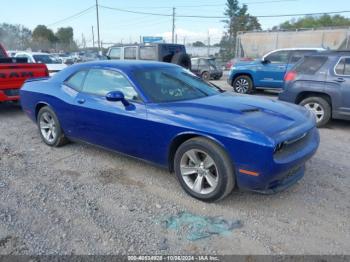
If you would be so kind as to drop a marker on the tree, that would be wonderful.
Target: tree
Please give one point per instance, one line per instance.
(314, 22)
(15, 37)
(43, 38)
(238, 19)
(65, 38)
(198, 44)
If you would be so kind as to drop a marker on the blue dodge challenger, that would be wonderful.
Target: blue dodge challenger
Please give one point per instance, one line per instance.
(162, 113)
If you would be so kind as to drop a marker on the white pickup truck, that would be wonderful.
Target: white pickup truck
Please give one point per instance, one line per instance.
(44, 58)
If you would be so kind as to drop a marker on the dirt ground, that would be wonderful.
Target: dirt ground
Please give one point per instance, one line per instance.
(79, 199)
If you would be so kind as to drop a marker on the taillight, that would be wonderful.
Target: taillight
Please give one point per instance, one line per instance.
(47, 74)
(290, 76)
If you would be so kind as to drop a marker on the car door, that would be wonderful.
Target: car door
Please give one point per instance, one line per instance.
(272, 70)
(195, 66)
(341, 76)
(110, 124)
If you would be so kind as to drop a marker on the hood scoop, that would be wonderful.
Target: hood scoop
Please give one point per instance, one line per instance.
(250, 110)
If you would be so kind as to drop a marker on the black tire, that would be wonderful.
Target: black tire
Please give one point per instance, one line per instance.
(225, 177)
(243, 84)
(313, 103)
(182, 59)
(205, 76)
(59, 139)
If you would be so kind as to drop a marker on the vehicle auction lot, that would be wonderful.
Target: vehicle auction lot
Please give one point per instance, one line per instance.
(80, 199)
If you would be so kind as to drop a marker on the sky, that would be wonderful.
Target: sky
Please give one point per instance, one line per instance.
(117, 26)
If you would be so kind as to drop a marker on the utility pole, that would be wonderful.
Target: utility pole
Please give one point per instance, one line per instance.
(173, 31)
(93, 36)
(98, 28)
(208, 44)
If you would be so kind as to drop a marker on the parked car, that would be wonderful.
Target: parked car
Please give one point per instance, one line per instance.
(11, 53)
(44, 58)
(206, 68)
(162, 113)
(169, 53)
(267, 72)
(13, 73)
(321, 83)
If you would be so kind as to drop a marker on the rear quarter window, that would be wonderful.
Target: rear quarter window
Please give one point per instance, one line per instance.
(310, 65)
(148, 53)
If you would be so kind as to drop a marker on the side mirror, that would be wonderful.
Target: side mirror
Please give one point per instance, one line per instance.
(265, 61)
(117, 96)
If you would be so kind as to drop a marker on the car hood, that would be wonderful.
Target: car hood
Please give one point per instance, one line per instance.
(277, 120)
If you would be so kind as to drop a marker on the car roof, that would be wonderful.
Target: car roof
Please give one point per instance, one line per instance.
(332, 53)
(33, 53)
(127, 65)
(300, 48)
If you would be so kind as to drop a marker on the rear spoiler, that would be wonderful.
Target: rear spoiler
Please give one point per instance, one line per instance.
(36, 79)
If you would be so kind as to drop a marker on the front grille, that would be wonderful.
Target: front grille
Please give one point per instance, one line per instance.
(11, 92)
(292, 145)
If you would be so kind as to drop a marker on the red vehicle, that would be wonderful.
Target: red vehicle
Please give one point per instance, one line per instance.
(13, 73)
(230, 63)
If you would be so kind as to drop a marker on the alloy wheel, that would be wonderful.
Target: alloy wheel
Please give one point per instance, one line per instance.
(242, 85)
(48, 127)
(316, 109)
(199, 171)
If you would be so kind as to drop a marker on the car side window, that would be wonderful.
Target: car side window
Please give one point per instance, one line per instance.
(76, 80)
(115, 53)
(101, 82)
(278, 57)
(202, 62)
(343, 67)
(297, 55)
(347, 67)
(130, 52)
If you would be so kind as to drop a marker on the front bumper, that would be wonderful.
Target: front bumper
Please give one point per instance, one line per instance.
(9, 95)
(283, 170)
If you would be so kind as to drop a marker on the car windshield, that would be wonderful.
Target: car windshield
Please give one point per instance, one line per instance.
(212, 62)
(173, 84)
(45, 59)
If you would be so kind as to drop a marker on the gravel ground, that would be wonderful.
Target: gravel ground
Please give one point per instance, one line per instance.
(79, 199)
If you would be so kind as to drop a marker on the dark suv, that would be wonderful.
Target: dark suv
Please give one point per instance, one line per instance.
(321, 83)
(169, 53)
(206, 68)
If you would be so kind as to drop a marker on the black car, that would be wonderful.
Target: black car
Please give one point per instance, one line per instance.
(169, 53)
(321, 83)
(206, 68)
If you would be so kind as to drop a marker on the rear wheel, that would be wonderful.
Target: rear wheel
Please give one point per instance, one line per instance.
(204, 170)
(242, 84)
(50, 128)
(320, 108)
(206, 76)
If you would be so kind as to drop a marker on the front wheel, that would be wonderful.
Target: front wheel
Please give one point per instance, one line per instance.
(320, 108)
(50, 128)
(242, 84)
(206, 76)
(204, 170)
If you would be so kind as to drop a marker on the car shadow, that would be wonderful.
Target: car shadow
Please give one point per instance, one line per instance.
(9, 109)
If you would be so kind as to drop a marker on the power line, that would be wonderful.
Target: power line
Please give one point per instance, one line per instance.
(219, 17)
(76, 15)
(133, 12)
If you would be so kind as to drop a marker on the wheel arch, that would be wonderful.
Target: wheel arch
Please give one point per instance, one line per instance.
(306, 94)
(179, 139)
(38, 107)
(250, 75)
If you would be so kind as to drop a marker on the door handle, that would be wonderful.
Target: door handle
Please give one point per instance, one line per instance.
(81, 101)
(340, 80)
